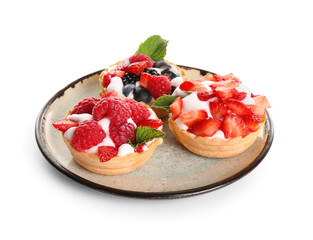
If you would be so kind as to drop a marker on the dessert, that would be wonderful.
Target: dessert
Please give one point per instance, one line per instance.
(216, 116)
(111, 135)
(144, 76)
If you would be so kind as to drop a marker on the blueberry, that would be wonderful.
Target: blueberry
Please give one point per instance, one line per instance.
(170, 73)
(128, 88)
(161, 64)
(141, 94)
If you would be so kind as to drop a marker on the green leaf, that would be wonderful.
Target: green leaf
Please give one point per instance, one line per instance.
(164, 102)
(146, 134)
(154, 47)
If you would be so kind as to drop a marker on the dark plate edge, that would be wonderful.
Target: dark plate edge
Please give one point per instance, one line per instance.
(148, 195)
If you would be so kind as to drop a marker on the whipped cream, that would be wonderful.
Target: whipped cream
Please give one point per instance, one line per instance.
(116, 85)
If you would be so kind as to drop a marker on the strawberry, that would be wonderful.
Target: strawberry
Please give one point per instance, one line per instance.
(200, 88)
(262, 101)
(176, 107)
(153, 123)
(138, 57)
(117, 73)
(257, 110)
(64, 125)
(224, 93)
(106, 79)
(193, 85)
(234, 126)
(217, 78)
(187, 86)
(253, 122)
(139, 148)
(232, 77)
(144, 79)
(110, 94)
(137, 67)
(218, 109)
(238, 107)
(193, 116)
(239, 96)
(159, 85)
(105, 153)
(122, 66)
(205, 96)
(228, 83)
(206, 128)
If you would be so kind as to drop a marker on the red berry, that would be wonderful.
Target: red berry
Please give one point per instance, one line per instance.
(193, 116)
(110, 94)
(106, 79)
(257, 110)
(239, 96)
(117, 73)
(193, 85)
(122, 66)
(234, 126)
(121, 134)
(138, 57)
(238, 107)
(137, 67)
(158, 86)
(228, 83)
(153, 123)
(139, 111)
(205, 96)
(87, 135)
(253, 122)
(85, 106)
(187, 86)
(144, 79)
(176, 107)
(112, 108)
(206, 128)
(105, 153)
(262, 101)
(224, 93)
(64, 125)
(139, 148)
(218, 109)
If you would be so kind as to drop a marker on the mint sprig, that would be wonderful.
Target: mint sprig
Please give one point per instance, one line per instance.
(164, 102)
(146, 134)
(154, 47)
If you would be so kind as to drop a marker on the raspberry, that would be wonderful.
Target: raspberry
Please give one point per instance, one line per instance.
(112, 108)
(121, 134)
(105, 153)
(87, 135)
(85, 106)
(138, 57)
(139, 110)
(159, 85)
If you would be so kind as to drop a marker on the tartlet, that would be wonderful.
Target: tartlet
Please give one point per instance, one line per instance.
(217, 116)
(111, 136)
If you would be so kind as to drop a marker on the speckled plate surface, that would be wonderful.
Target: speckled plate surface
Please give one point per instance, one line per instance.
(171, 172)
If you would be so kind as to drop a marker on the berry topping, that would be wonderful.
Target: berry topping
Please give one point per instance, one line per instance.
(139, 148)
(127, 89)
(234, 126)
(228, 83)
(105, 153)
(193, 116)
(139, 110)
(153, 123)
(110, 94)
(130, 78)
(144, 79)
(159, 85)
(117, 73)
(225, 93)
(112, 108)
(239, 96)
(162, 64)
(257, 110)
(205, 96)
(87, 135)
(262, 101)
(106, 79)
(238, 107)
(193, 86)
(151, 71)
(170, 73)
(141, 58)
(64, 125)
(206, 128)
(142, 94)
(137, 67)
(253, 122)
(85, 106)
(176, 107)
(121, 134)
(122, 66)
(218, 109)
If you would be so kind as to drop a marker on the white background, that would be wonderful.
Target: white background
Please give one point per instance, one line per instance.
(45, 46)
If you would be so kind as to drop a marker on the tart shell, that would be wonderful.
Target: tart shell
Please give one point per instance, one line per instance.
(116, 165)
(215, 147)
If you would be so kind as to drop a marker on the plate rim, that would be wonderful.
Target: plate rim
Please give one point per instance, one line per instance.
(137, 194)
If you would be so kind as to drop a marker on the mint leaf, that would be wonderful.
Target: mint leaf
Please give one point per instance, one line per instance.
(164, 102)
(146, 134)
(154, 47)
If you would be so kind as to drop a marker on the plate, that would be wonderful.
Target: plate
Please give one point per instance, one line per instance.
(171, 172)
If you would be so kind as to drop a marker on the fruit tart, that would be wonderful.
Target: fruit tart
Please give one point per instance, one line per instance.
(111, 135)
(217, 116)
(144, 76)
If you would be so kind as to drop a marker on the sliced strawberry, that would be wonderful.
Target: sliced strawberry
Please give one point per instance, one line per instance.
(139, 148)
(205, 96)
(122, 66)
(144, 79)
(234, 126)
(253, 122)
(228, 83)
(106, 79)
(239, 96)
(238, 107)
(153, 123)
(200, 88)
(187, 86)
(217, 78)
(232, 77)
(257, 110)
(193, 116)
(138, 57)
(193, 85)
(105, 153)
(137, 67)
(262, 101)
(117, 73)
(218, 109)
(206, 128)
(224, 93)
(64, 125)
(176, 107)
(110, 94)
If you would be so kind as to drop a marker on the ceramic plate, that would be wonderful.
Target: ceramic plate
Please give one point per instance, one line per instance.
(171, 172)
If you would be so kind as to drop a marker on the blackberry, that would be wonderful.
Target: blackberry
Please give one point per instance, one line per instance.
(172, 89)
(130, 78)
(169, 73)
(151, 71)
